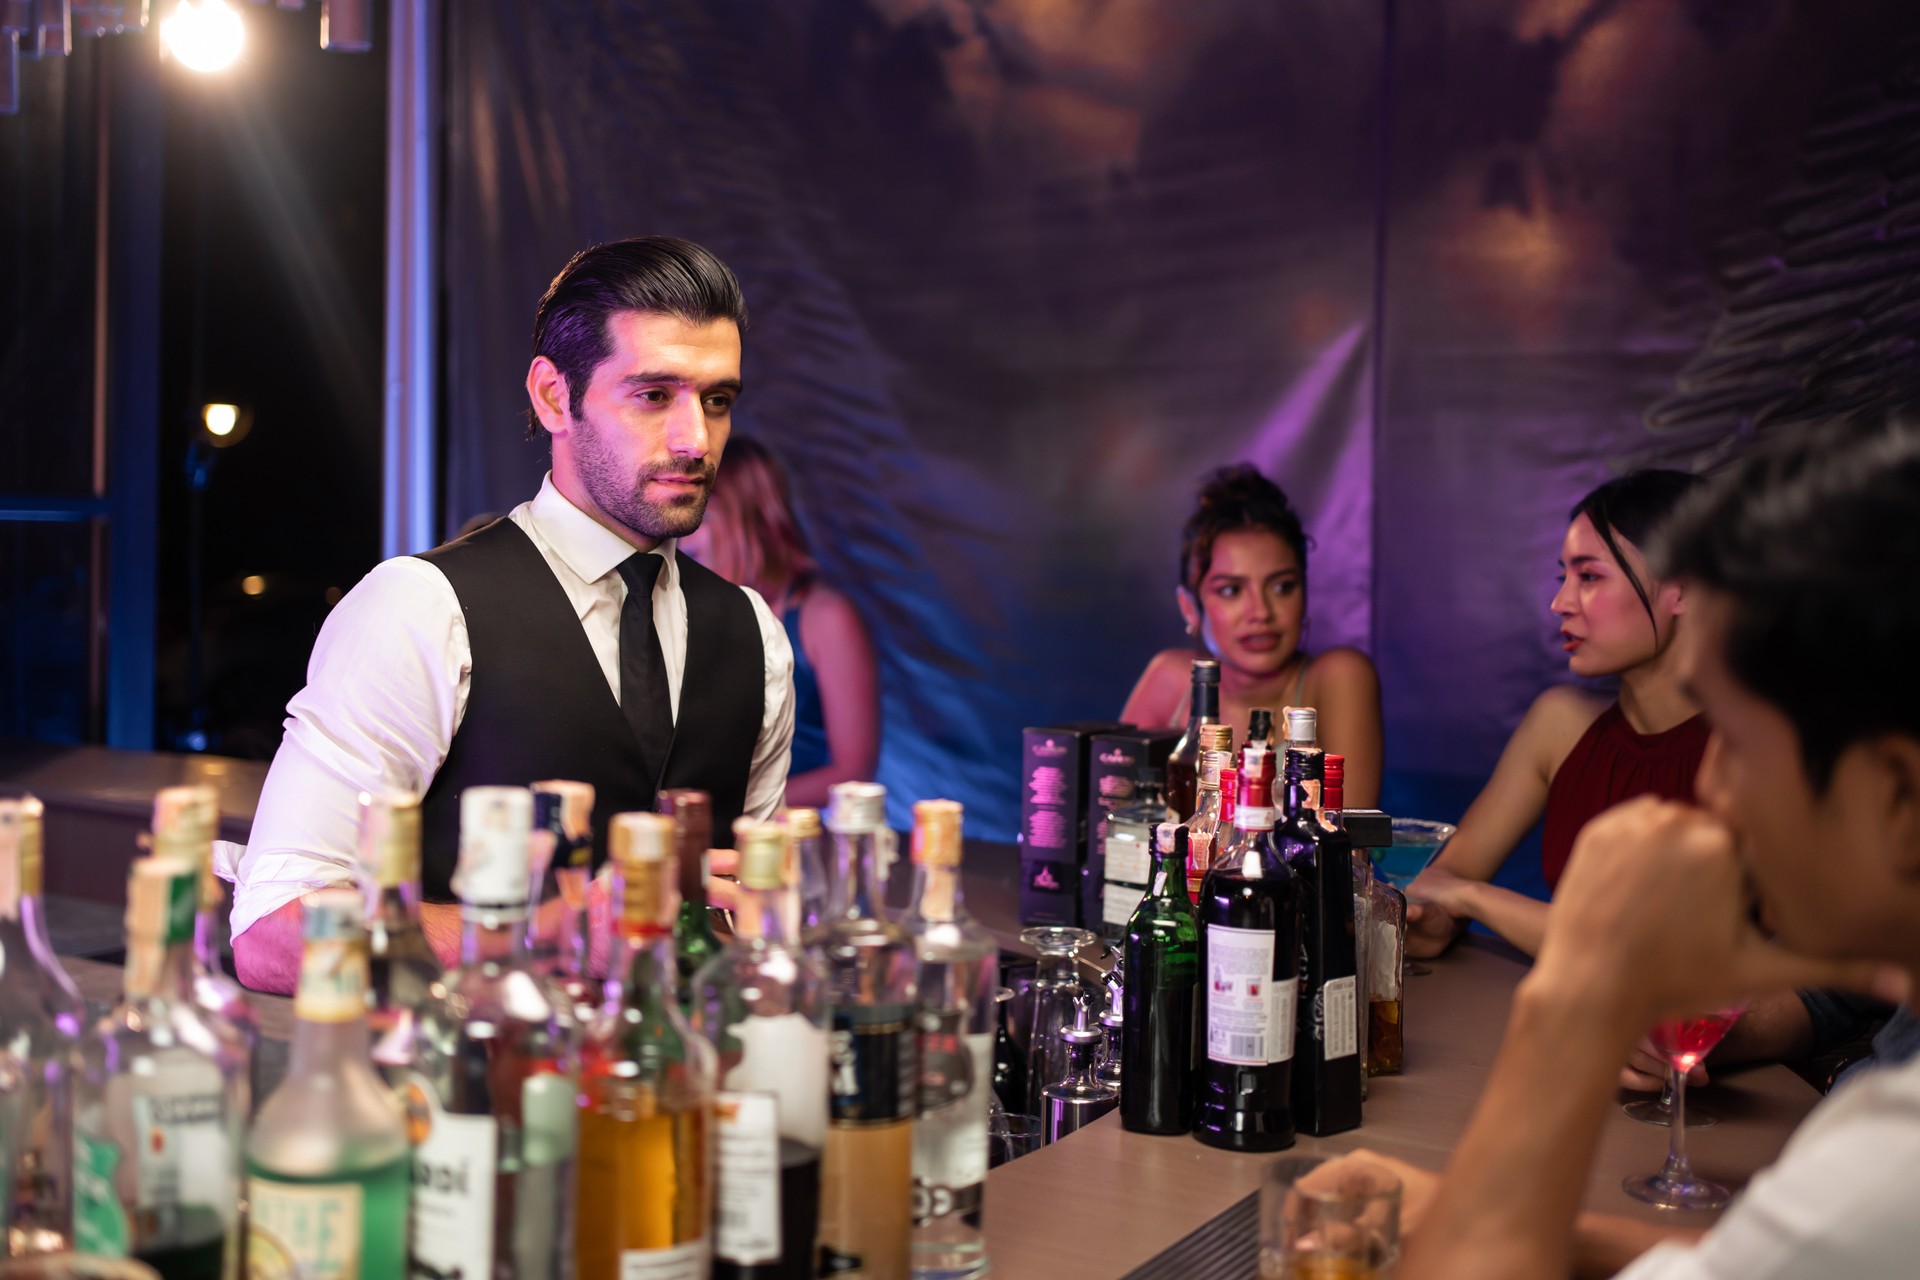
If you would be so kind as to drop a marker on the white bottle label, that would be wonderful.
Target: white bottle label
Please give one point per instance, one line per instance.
(1117, 903)
(1249, 1013)
(1383, 969)
(681, 1262)
(454, 1161)
(310, 1230)
(1341, 1030)
(1129, 861)
(748, 1192)
(950, 1133)
(786, 1056)
(184, 1152)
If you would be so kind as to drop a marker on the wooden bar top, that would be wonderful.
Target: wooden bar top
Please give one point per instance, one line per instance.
(1103, 1201)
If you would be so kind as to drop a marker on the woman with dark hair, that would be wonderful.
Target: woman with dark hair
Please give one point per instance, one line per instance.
(1575, 754)
(1243, 591)
(752, 537)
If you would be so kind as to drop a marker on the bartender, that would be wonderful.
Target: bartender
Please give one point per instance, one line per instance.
(567, 640)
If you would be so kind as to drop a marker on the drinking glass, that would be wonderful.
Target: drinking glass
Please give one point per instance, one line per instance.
(1416, 842)
(1659, 1111)
(1321, 1221)
(1010, 1136)
(1683, 1042)
(1056, 987)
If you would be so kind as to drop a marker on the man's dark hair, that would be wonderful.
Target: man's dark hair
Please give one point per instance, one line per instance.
(1634, 506)
(647, 273)
(1817, 543)
(1233, 498)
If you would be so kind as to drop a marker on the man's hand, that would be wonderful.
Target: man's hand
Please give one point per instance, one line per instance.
(1646, 1071)
(1417, 1186)
(722, 890)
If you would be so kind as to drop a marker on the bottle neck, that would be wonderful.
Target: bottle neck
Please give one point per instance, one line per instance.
(1254, 810)
(206, 941)
(937, 893)
(492, 934)
(1167, 877)
(1205, 709)
(858, 857)
(156, 968)
(762, 916)
(646, 970)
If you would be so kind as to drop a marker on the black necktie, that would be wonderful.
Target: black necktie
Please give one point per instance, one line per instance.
(643, 667)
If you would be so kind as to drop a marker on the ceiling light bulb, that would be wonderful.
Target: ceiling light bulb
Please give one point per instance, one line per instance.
(205, 35)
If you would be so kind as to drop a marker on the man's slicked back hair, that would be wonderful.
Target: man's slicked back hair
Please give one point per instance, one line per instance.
(1816, 541)
(659, 274)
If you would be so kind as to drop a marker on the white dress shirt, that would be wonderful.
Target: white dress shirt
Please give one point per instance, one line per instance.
(387, 689)
(1837, 1205)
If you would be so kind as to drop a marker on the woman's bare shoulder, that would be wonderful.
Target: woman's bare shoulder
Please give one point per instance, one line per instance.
(1340, 669)
(1555, 722)
(1161, 689)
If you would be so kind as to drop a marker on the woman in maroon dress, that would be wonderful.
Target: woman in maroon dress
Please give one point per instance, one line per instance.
(1576, 754)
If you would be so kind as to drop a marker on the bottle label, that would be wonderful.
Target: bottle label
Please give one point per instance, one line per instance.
(99, 1222)
(950, 1133)
(185, 1153)
(454, 1161)
(1117, 902)
(1340, 1025)
(1249, 818)
(875, 1064)
(333, 981)
(748, 1192)
(1249, 1012)
(680, 1262)
(785, 1056)
(1383, 962)
(1129, 861)
(305, 1230)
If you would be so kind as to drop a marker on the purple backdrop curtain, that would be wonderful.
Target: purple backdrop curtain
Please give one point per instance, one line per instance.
(1020, 272)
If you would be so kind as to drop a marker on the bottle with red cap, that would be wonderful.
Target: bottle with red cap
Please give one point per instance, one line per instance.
(1333, 789)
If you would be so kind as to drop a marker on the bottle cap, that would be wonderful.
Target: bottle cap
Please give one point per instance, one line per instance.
(763, 853)
(936, 833)
(495, 823)
(1336, 767)
(1303, 726)
(1206, 671)
(802, 823)
(1080, 1032)
(857, 807)
(20, 855)
(388, 849)
(185, 821)
(333, 964)
(692, 812)
(564, 808)
(1260, 725)
(328, 915)
(644, 857)
(1216, 737)
(161, 900)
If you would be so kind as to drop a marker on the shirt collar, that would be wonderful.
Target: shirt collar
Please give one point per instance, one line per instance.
(585, 545)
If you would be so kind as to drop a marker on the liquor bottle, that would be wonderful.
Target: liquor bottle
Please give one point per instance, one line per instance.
(562, 872)
(1303, 735)
(693, 938)
(40, 1020)
(1162, 994)
(491, 1095)
(1386, 960)
(1229, 799)
(401, 967)
(1250, 962)
(646, 1086)
(1128, 853)
(1326, 1071)
(762, 1002)
(812, 890)
(959, 976)
(160, 1100)
(866, 1214)
(1183, 765)
(1205, 828)
(1080, 1098)
(329, 1167)
(185, 822)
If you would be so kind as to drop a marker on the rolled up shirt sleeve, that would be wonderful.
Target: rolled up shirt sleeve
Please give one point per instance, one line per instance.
(386, 688)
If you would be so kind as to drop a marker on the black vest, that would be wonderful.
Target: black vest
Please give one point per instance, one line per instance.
(538, 705)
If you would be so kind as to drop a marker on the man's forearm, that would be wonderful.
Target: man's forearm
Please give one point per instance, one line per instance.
(1506, 1206)
(1604, 1243)
(267, 955)
(440, 921)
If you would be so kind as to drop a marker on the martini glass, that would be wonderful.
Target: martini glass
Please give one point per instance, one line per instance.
(1683, 1042)
(1416, 842)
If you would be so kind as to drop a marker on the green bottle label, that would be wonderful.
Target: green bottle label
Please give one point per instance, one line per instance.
(99, 1223)
(310, 1230)
(183, 904)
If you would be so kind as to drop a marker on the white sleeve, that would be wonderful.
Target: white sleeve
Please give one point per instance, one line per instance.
(386, 689)
(773, 751)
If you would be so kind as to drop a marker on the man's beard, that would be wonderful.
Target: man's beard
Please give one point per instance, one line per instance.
(622, 495)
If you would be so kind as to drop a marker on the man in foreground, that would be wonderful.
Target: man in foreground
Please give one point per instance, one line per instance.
(1804, 568)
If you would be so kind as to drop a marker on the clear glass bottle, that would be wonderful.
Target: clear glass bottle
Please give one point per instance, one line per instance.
(762, 1002)
(1205, 828)
(959, 976)
(866, 1214)
(646, 1086)
(186, 820)
(160, 1100)
(1386, 970)
(1128, 853)
(811, 883)
(329, 1167)
(562, 874)
(401, 966)
(693, 938)
(491, 1094)
(1079, 1098)
(1056, 991)
(41, 1014)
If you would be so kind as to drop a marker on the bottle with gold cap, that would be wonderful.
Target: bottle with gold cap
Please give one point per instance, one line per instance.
(810, 885)
(329, 1167)
(866, 1216)
(185, 822)
(401, 966)
(40, 1017)
(959, 978)
(562, 874)
(646, 1087)
(490, 1100)
(160, 1100)
(762, 1003)
(694, 940)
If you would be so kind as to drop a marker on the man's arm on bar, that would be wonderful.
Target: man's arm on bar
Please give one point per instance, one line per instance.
(267, 955)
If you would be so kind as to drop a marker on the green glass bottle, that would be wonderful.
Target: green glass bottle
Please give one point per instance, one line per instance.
(1157, 1043)
(694, 942)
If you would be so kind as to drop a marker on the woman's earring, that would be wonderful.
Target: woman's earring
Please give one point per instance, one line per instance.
(1193, 628)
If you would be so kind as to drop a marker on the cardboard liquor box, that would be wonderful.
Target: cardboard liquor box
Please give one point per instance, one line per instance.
(1113, 767)
(1053, 818)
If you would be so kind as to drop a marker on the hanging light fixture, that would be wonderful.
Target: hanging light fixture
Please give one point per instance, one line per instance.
(346, 26)
(204, 35)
